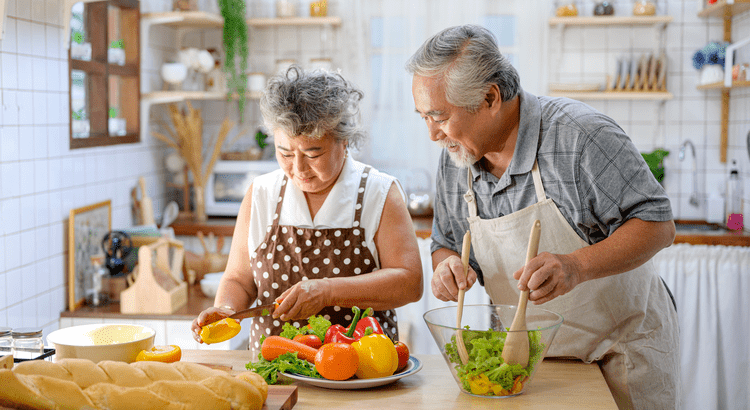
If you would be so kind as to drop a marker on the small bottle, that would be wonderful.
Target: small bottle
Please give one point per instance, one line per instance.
(27, 342)
(6, 341)
(734, 198)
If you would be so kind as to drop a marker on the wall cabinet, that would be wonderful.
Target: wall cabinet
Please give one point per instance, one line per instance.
(726, 9)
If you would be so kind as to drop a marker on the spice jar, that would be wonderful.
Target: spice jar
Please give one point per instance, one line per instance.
(6, 341)
(566, 8)
(27, 342)
(286, 8)
(644, 8)
(604, 8)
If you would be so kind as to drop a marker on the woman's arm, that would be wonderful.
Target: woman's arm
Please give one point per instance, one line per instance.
(237, 288)
(397, 282)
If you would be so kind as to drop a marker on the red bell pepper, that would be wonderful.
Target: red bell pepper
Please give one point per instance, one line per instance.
(367, 320)
(340, 334)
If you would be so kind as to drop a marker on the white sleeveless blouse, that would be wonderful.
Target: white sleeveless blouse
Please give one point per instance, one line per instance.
(337, 210)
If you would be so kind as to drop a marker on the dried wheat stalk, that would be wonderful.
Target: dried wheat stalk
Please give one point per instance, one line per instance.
(186, 136)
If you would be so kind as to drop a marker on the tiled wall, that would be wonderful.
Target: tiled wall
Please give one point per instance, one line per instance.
(41, 179)
(588, 54)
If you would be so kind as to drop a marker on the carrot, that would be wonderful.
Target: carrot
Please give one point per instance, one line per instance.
(275, 346)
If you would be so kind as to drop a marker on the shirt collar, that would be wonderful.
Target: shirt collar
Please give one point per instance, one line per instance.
(527, 143)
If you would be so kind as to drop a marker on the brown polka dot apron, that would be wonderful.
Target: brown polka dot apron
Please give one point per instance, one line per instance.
(290, 254)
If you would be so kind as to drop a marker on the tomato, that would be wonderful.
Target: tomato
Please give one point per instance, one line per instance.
(337, 361)
(310, 340)
(166, 354)
(403, 355)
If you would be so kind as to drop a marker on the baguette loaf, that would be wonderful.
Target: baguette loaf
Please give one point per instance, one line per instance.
(109, 385)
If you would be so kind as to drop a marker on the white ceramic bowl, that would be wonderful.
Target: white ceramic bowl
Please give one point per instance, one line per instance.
(101, 342)
(173, 73)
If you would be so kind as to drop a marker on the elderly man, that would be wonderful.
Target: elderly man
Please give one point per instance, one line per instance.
(511, 158)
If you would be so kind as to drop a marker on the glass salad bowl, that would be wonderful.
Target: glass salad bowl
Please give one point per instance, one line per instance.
(484, 329)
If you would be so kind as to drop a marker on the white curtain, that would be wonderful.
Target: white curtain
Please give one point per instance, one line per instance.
(711, 286)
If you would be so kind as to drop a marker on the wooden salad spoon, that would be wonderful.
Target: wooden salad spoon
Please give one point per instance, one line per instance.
(516, 349)
(462, 353)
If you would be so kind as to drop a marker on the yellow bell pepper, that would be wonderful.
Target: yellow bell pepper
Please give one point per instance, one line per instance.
(377, 356)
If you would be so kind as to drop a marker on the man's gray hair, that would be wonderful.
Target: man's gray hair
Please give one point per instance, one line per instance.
(468, 59)
(313, 104)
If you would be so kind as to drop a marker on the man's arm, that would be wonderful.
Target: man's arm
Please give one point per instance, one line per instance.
(630, 246)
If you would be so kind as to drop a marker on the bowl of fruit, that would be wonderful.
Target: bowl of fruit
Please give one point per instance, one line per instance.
(484, 331)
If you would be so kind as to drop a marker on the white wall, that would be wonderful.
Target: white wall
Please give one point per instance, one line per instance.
(590, 53)
(41, 180)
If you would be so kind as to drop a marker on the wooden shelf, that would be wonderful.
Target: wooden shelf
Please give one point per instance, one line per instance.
(615, 95)
(720, 85)
(184, 19)
(166, 97)
(722, 7)
(610, 21)
(295, 21)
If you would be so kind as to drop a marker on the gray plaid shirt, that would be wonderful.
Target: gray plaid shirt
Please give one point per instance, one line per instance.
(589, 168)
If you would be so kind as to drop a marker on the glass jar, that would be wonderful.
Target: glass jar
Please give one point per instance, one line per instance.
(566, 8)
(27, 342)
(644, 8)
(604, 8)
(286, 8)
(6, 341)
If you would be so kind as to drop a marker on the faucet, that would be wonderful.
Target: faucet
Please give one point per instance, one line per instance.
(694, 195)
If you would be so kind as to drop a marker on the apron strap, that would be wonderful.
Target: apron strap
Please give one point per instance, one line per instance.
(361, 196)
(280, 201)
(540, 195)
(469, 195)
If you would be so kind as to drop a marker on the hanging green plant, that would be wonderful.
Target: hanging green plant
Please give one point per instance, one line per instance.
(235, 45)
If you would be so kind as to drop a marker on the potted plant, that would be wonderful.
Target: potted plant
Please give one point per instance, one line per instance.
(235, 47)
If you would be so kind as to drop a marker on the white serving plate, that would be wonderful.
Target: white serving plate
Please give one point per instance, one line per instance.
(412, 367)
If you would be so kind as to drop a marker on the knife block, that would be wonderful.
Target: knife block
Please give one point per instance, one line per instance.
(157, 286)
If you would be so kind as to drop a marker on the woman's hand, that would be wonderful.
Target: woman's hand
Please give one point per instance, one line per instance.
(303, 300)
(209, 315)
(448, 277)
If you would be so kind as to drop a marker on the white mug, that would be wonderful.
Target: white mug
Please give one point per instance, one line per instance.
(256, 82)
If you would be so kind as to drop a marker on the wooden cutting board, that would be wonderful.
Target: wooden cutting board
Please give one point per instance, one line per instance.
(279, 397)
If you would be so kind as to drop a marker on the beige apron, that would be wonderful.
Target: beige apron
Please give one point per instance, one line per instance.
(290, 254)
(627, 321)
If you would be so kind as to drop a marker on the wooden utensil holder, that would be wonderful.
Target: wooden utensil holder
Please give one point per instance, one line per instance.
(157, 286)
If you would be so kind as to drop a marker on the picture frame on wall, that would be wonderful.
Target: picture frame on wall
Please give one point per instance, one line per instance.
(87, 227)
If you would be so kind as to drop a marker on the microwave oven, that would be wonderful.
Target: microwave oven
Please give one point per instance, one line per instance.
(228, 183)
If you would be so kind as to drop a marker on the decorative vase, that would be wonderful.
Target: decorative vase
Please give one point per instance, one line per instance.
(199, 197)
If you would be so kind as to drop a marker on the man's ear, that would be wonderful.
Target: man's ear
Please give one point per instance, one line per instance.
(493, 97)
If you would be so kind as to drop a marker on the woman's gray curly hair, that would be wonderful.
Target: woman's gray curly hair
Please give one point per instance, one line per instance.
(470, 62)
(313, 104)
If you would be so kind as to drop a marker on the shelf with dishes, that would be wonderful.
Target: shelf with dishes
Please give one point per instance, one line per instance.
(184, 19)
(295, 21)
(726, 10)
(610, 21)
(722, 7)
(166, 97)
(613, 95)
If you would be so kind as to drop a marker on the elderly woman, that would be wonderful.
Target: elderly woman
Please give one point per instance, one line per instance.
(325, 232)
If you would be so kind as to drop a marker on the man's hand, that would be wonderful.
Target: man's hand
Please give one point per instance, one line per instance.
(448, 277)
(548, 276)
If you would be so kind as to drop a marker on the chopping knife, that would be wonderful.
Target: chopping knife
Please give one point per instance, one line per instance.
(262, 310)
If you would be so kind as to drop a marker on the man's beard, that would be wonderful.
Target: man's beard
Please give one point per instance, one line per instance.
(461, 158)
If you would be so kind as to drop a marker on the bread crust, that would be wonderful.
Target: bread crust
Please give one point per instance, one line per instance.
(108, 385)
